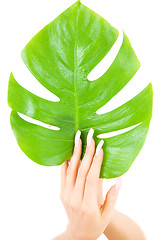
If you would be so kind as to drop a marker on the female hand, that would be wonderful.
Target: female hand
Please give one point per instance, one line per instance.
(80, 191)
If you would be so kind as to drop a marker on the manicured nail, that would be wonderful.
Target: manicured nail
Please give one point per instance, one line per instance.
(99, 146)
(77, 137)
(118, 184)
(89, 137)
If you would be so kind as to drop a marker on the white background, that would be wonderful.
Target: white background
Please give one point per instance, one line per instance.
(30, 206)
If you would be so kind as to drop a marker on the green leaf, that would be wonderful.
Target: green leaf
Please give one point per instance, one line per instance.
(60, 57)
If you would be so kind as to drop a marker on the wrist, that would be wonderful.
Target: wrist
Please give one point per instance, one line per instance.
(111, 223)
(68, 235)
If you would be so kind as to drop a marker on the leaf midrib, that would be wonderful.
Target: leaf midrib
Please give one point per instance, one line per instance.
(75, 71)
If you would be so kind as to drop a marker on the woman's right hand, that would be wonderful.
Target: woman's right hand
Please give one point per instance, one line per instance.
(80, 190)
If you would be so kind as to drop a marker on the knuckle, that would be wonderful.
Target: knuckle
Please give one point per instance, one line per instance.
(74, 206)
(84, 209)
(61, 197)
(65, 202)
(87, 210)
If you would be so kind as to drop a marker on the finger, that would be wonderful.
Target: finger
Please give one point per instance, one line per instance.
(109, 204)
(92, 180)
(74, 162)
(100, 192)
(85, 166)
(118, 183)
(64, 167)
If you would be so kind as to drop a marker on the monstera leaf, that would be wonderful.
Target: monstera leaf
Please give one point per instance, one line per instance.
(60, 57)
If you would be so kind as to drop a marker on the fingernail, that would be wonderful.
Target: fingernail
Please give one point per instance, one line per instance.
(100, 144)
(89, 137)
(77, 137)
(118, 184)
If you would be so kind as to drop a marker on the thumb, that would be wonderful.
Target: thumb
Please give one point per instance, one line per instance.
(110, 200)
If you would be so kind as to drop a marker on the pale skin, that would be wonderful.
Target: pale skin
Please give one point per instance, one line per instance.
(89, 214)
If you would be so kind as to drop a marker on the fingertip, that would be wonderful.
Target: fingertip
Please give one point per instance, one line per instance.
(118, 184)
(112, 196)
(101, 153)
(78, 145)
(77, 150)
(77, 138)
(90, 137)
(80, 142)
(99, 157)
(113, 191)
(99, 149)
(109, 203)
